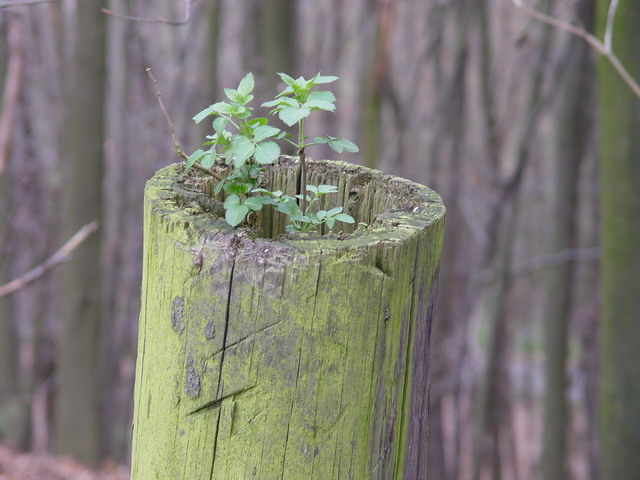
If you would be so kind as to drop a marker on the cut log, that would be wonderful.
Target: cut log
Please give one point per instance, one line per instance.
(272, 357)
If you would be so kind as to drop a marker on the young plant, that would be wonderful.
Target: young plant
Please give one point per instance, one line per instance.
(295, 103)
(247, 144)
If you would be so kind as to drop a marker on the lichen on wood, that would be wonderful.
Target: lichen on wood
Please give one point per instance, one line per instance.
(289, 357)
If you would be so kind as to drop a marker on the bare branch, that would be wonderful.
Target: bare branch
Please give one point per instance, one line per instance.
(61, 256)
(130, 18)
(592, 40)
(558, 258)
(608, 34)
(11, 90)
(172, 130)
(23, 3)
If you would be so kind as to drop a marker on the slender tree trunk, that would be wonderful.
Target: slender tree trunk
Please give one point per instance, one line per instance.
(571, 131)
(13, 413)
(276, 42)
(619, 382)
(77, 430)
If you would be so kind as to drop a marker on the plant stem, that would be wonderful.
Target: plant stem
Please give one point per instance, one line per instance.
(303, 165)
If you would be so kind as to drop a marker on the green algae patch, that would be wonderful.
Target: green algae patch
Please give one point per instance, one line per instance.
(286, 357)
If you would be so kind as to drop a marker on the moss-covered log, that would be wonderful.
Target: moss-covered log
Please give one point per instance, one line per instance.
(286, 358)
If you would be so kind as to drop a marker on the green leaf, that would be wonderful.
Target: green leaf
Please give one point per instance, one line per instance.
(220, 123)
(320, 105)
(204, 114)
(334, 211)
(348, 145)
(209, 159)
(255, 203)
(321, 215)
(231, 200)
(324, 79)
(222, 108)
(235, 214)
(264, 131)
(242, 148)
(324, 96)
(233, 95)
(291, 115)
(324, 189)
(312, 188)
(219, 186)
(319, 140)
(286, 78)
(270, 104)
(343, 217)
(237, 187)
(194, 157)
(330, 222)
(246, 85)
(267, 152)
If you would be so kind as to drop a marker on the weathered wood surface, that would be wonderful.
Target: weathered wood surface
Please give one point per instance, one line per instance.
(287, 359)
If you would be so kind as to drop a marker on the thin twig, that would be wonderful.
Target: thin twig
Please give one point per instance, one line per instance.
(172, 130)
(558, 258)
(61, 256)
(608, 34)
(130, 18)
(593, 41)
(11, 91)
(27, 2)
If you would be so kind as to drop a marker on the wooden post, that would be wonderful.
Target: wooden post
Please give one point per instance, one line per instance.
(291, 359)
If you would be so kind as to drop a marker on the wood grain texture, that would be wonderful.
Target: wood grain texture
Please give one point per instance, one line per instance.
(285, 358)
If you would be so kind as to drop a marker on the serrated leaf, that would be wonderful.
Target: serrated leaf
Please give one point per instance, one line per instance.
(343, 217)
(194, 157)
(312, 188)
(235, 214)
(264, 131)
(286, 78)
(325, 96)
(321, 214)
(338, 147)
(242, 148)
(254, 203)
(246, 84)
(231, 200)
(334, 211)
(222, 108)
(318, 140)
(219, 124)
(208, 160)
(267, 152)
(348, 145)
(325, 79)
(320, 105)
(270, 104)
(324, 189)
(330, 222)
(233, 95)
(291, 115)
(204, 114)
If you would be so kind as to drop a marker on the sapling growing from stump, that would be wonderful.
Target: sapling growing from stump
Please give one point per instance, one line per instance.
(247, 144)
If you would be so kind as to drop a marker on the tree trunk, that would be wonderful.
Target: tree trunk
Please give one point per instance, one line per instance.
(286, 358)
(77, 410)
(619, 381)
(572, 127)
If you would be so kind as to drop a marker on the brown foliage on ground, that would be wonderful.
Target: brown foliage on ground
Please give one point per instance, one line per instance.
(23, 466)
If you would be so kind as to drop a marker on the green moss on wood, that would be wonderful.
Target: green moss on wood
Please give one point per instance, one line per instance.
(288, 358)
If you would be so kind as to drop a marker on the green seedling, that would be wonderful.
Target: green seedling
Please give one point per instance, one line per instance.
(247, 144)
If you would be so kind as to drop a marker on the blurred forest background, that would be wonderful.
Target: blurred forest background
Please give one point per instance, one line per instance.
(495, 110)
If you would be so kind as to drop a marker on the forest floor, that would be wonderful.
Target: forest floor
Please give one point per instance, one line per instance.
(24, 466)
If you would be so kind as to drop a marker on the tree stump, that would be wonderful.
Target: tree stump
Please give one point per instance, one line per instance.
(272, 357)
